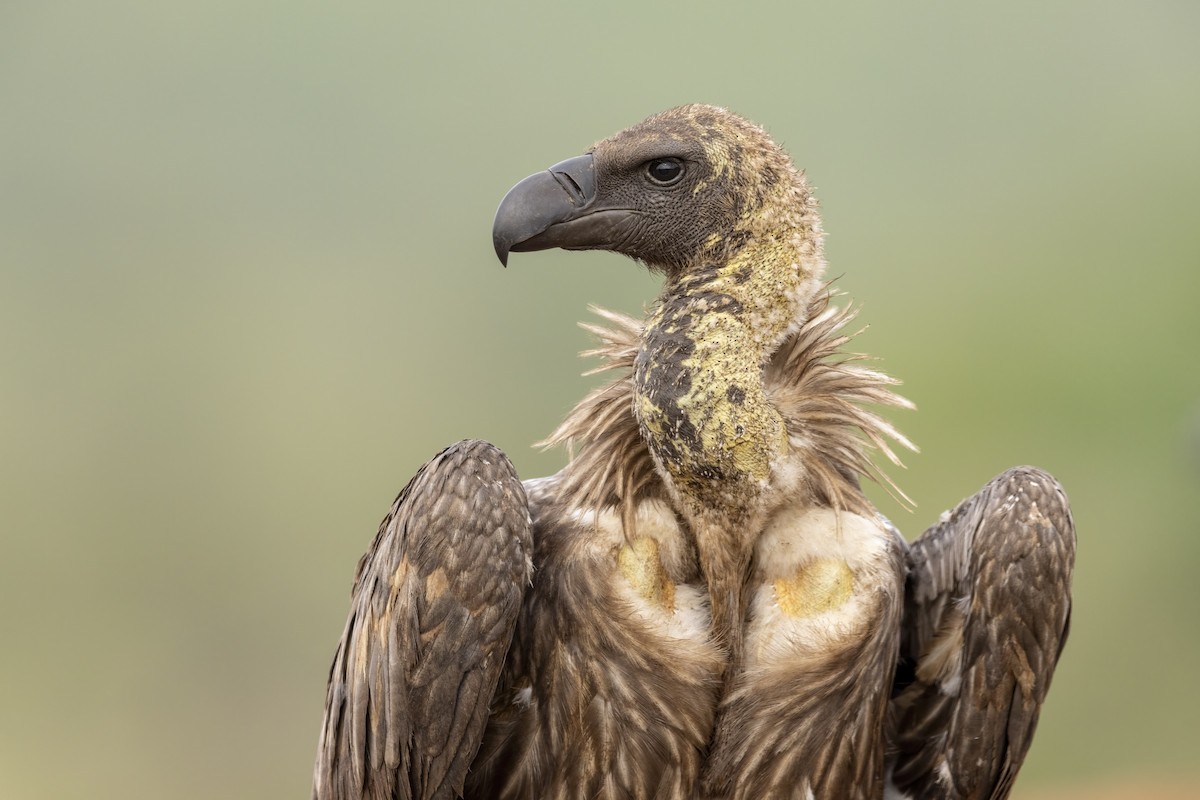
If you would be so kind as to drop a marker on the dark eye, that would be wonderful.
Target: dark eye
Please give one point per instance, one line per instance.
(665, 171)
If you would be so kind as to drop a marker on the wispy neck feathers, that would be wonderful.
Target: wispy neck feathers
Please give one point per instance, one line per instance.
(819, 389)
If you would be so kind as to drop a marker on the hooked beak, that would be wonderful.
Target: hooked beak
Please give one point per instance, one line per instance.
(556, 208)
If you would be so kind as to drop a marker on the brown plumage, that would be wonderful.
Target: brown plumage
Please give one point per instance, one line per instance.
(986, 617)
(432, 613)
(715, 609)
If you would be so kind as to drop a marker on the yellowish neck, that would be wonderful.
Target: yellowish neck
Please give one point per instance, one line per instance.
(698, 378)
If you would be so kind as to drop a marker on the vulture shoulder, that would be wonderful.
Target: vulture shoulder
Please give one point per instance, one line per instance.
(433, 608)
(987, 610)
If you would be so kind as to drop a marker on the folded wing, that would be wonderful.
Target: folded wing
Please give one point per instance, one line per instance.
(986, 614)
(434, 604)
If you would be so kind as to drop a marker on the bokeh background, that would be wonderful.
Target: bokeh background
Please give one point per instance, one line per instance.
(247, 288)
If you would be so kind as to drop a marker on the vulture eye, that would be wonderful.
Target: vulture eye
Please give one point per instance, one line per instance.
(665, 171)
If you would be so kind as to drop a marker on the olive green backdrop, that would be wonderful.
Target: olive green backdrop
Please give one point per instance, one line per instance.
(247, 288)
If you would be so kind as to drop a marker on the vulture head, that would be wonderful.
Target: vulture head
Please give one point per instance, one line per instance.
(679, 191)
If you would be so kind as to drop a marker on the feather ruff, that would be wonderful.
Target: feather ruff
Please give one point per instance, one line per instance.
(822, 391)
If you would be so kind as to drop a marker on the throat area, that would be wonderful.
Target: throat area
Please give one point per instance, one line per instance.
(698, 377)
(702, 408)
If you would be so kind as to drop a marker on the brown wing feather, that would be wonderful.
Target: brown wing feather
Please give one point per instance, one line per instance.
(434, 604)
(987, 610)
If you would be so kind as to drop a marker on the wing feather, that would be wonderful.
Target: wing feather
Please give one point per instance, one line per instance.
(988, 602)
(433, 609)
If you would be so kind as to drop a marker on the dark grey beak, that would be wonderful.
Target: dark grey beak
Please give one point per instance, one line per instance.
(555, 208)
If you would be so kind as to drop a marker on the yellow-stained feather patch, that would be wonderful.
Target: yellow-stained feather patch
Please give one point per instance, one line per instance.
(642, 567)
(820, 585)
(436, 585)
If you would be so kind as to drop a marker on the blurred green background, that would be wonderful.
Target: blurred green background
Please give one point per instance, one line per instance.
(247, 288)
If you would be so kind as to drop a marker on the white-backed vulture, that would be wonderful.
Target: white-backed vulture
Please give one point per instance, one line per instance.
(703, 603)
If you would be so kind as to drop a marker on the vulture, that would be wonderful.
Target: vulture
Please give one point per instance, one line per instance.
(702, 603)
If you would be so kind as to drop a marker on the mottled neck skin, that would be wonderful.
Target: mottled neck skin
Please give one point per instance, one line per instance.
(698, 384)
(698, 376)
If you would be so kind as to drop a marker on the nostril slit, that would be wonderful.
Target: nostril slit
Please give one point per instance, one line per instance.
(568, 183)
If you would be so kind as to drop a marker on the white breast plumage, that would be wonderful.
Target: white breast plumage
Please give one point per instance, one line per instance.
(820, 576)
